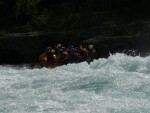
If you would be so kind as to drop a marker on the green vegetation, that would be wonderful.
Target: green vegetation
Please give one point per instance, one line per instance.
(63, 15)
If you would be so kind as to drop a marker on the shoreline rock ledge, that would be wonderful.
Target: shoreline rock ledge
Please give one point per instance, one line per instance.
(20, 48)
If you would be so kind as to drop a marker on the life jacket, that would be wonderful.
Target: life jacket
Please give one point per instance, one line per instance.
(42, 56)
(74, 56)
(43, 60)
(63, 58)
(84, 53)
(51, 55)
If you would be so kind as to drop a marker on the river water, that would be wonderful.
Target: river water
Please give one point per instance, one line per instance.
(118, 84)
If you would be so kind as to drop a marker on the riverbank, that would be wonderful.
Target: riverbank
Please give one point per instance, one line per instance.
(16, 48)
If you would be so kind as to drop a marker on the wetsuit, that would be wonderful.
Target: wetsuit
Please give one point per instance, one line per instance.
(83, 52)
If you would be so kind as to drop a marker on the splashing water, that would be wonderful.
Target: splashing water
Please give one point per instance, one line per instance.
(118, 84)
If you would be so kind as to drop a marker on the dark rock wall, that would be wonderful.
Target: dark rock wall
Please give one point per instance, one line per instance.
(19, 48)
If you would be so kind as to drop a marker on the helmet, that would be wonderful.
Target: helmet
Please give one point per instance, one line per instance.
(65, 53)
(47, 49)
(90, 47)
(54, 56)
(71, 49)
(58, 45)
(71, 46)
(52, 51)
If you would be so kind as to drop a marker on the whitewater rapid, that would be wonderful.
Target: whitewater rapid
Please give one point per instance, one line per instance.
(118, 84)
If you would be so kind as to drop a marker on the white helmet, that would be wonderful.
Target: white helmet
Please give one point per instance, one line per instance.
(58, 45)
(54, 56)
(90, 47)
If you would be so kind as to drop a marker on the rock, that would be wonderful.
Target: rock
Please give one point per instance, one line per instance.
(22, 48)
(106, 45)
(19, 48)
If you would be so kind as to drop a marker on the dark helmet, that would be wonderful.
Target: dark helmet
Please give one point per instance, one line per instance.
(47, 49)
(72, 49)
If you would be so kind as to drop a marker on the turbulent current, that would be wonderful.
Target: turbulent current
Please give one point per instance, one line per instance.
(118, 84)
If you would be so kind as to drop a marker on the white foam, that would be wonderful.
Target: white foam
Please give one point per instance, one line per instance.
(118, 84)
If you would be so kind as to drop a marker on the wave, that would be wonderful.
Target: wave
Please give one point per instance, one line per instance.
(119, 83)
